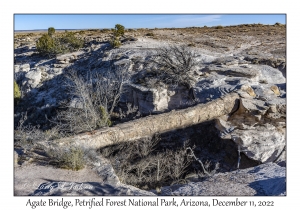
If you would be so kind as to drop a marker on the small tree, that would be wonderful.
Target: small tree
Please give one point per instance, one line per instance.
(51, 31)
(119, 30)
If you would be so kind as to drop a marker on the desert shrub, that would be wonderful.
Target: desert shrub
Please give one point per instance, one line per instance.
(51, 31)
(98, 98)
(71, 158)
(46, 45)
(104, 117)
(71, 42)
(17, 92)
(143, 164)
(174, 65)
(115, 42)
(219, 27)
(149, 34)
(51, 46)
(28, 136)
(119, 30)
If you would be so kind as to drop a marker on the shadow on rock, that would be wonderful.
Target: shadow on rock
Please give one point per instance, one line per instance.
(270, 187)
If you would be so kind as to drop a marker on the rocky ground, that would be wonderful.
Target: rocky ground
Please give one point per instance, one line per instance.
(248, 60)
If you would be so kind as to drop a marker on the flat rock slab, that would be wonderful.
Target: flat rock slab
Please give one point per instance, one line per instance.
(234, 71)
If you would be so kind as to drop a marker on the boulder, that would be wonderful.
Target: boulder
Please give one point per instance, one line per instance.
(67, 58)
(270, 74)
(258, 128)
(25, 67)
(33, 77)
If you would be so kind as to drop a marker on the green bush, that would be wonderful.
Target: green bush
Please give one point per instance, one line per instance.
(17, 92)
(51, 31)
(119, 30)
(51, 46)
(45, 45)
(70, 41)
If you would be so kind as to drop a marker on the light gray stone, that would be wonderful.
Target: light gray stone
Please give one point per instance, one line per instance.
(17, 68)
(271, 75)
(25, 67)
(154, 100)
(33, 78)
(258, 128)
(76, 103)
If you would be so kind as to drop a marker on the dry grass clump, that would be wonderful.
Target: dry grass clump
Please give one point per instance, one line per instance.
(97, 99)
(174, 65)
(71, 158)
(143, 164)
(28, 136)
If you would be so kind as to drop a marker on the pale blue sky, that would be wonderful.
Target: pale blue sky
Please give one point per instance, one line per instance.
(88, 21)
